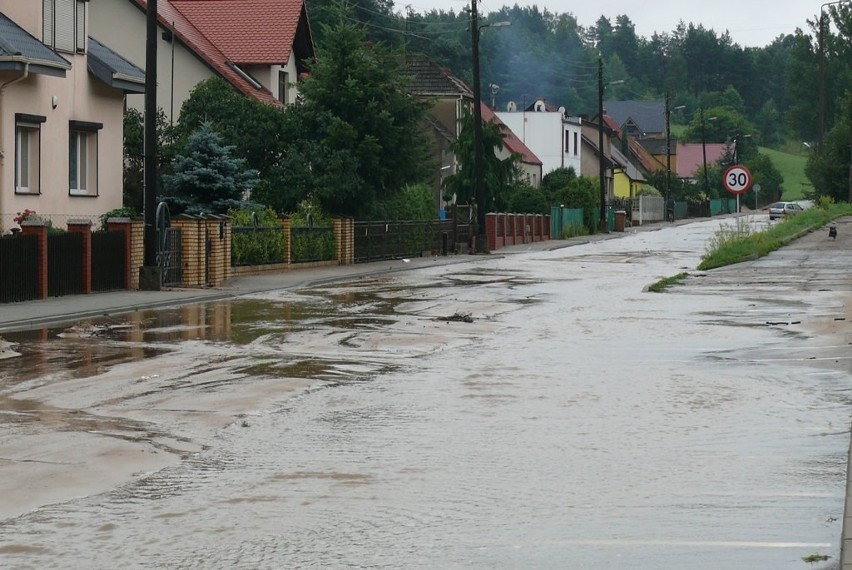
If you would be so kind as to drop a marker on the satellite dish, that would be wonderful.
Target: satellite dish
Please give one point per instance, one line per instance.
(539, 106)
(561, 111)
(511, 106)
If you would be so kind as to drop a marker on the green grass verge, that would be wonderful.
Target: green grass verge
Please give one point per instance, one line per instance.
(735, 244)
(663, 284)
(792, 168)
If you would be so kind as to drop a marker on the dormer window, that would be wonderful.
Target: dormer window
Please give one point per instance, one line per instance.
(64, 24)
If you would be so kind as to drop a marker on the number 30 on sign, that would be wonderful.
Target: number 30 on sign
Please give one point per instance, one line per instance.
(737, 179)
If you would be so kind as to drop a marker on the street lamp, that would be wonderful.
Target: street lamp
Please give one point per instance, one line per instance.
(821, 31)
(704, 149)
(478, 165)
(737, 139)
(601, 167)
(494, 89)
(669, 148)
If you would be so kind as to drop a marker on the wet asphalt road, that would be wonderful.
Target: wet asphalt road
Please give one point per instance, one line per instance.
(577, 422)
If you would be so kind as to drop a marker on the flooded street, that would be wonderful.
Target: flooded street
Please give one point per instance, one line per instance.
(574, 420)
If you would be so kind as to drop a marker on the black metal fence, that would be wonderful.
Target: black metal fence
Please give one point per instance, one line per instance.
(169, 256)
(18, 268)
(109, 264)
(64, 264)
(376, 241)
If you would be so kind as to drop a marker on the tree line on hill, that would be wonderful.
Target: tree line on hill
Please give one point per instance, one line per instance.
(352, 146)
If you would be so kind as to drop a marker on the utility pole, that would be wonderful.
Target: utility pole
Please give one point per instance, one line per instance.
(149, 274)
(668, 150)
(601, 168)
(478, 174)
(704, 152)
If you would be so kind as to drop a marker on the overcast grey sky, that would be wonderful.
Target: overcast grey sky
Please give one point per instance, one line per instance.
(750, 22)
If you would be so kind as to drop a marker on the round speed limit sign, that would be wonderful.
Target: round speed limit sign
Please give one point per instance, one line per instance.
(737, 179)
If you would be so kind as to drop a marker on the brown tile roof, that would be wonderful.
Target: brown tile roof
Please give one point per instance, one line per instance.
(645, 159)
(428, 78)
(208, 48)
(246, 31)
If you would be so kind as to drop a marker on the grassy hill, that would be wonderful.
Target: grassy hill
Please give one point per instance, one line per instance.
(792, 168)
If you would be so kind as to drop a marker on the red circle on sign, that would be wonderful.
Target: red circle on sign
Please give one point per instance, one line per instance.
(737, 179)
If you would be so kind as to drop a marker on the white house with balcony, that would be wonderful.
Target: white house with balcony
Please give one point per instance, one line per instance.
(553, 136)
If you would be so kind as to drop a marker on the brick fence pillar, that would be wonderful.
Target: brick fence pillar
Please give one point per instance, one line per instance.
(491, 230)
(84, 228)
(286, 225)
(344, 233)
(124, 225)
(38, 228)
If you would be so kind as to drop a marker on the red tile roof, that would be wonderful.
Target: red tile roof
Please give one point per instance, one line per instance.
(170, 17)
(512, 143)
(246, 31)
(690, 157)
(612, 124)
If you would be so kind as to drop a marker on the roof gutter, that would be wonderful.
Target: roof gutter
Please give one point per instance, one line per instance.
(29, 60)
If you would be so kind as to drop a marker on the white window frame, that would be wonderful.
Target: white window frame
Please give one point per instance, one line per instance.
(83, 158)
(283, 86)
(64, 25)
(28, 153)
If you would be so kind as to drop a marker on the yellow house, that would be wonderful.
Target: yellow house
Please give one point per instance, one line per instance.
(627, 178)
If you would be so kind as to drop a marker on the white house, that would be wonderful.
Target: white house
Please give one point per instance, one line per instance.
(261, 47)
(61, 113)
(553, 136)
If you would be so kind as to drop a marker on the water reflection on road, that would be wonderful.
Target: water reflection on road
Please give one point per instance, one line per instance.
(577, 422)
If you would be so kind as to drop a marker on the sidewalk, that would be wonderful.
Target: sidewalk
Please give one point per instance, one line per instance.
(58, 310)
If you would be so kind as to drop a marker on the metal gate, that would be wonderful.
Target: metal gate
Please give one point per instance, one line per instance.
(64, 264)
(168, 248)
(18, 268)
(109, 263)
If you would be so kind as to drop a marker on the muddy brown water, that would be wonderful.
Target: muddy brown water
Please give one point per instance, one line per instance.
(577, 422)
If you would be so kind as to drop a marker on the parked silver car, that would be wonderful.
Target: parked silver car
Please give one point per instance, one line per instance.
(783, 209)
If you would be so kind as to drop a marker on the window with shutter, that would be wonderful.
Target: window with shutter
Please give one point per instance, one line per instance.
(64, 23)
(81, 26)
(47, 21)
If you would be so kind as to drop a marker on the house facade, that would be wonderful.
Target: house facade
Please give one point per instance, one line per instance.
(691, 158)
(532, 168)
(448, 98)
(592, 156)
(62, 98)
(553, 136)
(628, 180)
(260, 47)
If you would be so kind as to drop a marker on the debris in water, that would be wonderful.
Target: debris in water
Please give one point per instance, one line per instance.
(457, 317)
